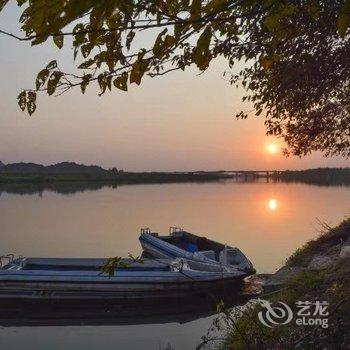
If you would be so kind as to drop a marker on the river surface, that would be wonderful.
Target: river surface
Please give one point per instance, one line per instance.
(267, 221)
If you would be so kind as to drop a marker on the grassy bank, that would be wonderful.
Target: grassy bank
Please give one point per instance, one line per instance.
(243, 330)
(328, 243)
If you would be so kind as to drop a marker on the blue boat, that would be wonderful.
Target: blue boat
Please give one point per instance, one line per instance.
(181, 265)
(181, 244)
(64, 279)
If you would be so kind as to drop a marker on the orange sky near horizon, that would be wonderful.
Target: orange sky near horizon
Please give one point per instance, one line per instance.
(178, 122)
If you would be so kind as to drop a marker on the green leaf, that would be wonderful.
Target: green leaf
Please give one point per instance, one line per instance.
(220, 306)
(31, 105)
(161, 46)
(158, 44)
(79, 37)
(202, 55)
(102, 82)
(53, 82)
(179, 29)
(169, 41)
(214, 5)
(129, 39)
(86, 49)
(87, 64)
(121, 82)
(58, 40)
(85, 82)
(195, 11)
(41, 78)
(136, 259)
(111, 266)
(109, 82)
(22, 100)
(138, 70)
(52, 65)
(272, 22)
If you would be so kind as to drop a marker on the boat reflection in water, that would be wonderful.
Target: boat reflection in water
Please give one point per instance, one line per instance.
(68, 313)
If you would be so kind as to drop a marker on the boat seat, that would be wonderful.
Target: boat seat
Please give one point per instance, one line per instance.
(234, 256)
(210, 254)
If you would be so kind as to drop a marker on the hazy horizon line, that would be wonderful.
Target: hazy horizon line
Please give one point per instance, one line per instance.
(170, 171)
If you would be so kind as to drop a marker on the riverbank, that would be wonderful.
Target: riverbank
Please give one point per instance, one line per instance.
(317, 273)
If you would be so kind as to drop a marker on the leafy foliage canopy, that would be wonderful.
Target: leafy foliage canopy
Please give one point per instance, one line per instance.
(297, 53)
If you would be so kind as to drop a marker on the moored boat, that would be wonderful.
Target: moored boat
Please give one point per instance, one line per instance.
(181, 244)
(81, 279)
(182, 265)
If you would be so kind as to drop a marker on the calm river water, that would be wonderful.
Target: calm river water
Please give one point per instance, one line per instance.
(267, 221)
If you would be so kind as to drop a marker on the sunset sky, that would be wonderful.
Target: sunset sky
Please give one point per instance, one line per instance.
(178, 122)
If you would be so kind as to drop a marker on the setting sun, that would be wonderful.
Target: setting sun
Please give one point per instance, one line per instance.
(273, 204)
(272, 148)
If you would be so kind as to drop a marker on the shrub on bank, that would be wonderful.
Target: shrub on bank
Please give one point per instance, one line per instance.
(240, 328)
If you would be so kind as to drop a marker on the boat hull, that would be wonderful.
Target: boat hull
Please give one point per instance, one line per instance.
(59, 279)
(12, 291)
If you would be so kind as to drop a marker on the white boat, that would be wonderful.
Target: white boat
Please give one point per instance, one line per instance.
(81, 279)
(181, 244)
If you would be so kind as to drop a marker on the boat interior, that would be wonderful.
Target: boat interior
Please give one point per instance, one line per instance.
(191, 242)
(210, 249)
(76, 264)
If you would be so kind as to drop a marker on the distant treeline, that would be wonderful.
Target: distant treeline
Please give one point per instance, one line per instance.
(92, 175)
(72, 172)
(319, 176)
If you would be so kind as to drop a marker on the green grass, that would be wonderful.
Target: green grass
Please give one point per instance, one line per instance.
(328, 242)
(242, 329)
(331, 285)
